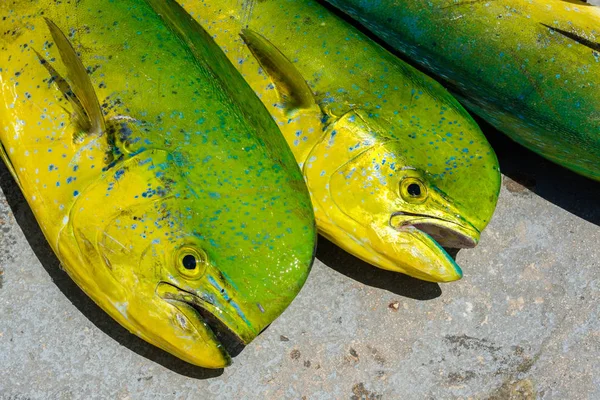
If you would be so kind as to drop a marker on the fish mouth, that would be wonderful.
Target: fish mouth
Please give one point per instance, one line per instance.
(448, 234)
(204, 310)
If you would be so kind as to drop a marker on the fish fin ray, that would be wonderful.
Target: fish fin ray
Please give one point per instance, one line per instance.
(247, 11)
(81, 84)
(291, 86)
(79, 115)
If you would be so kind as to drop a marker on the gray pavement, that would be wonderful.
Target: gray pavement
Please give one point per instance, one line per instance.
(522, 324)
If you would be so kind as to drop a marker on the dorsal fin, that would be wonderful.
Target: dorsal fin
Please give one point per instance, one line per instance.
(290, 84)
(92, 120)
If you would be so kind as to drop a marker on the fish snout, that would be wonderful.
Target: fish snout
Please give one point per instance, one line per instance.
(222, 324)
(409, 251)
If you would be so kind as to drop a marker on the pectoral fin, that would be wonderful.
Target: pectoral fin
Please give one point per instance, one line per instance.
(88, 115)
(290, 84)
(80, 117)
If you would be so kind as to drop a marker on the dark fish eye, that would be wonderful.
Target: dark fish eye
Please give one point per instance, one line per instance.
(414, 190)
(189, 262)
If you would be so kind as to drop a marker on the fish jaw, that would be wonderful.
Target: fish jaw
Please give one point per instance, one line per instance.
(448, 234)
(209, 352)
(413, 252)
(223, 334)
(433, 236)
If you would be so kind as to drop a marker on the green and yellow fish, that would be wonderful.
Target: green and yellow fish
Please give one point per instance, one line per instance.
(530, 68)
(158, 177)
(395, 166)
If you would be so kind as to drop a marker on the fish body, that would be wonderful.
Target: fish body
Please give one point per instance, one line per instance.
(156, 174)
(395, 166)
(530, 68)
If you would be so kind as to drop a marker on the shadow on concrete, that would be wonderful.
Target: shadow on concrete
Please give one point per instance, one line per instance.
(566, 189)
(354, 268)
(103, 321)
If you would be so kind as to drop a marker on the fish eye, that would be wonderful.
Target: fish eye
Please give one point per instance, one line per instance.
(191, 262)
(413, 190)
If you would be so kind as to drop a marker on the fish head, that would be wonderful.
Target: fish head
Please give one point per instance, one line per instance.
(168, 270)
(417, 195)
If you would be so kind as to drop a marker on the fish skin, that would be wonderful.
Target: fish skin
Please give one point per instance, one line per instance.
(176, 172)
(370, 126)
(530, 68)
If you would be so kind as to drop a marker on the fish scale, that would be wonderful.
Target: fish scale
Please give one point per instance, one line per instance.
(181, 161)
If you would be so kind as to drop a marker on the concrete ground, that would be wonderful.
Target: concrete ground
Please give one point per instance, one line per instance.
(522, 324)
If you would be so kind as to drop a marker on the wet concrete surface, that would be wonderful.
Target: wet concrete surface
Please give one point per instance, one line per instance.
(522, 324)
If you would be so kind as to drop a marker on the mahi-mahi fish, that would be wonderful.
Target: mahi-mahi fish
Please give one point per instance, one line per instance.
(156, 174)
(396, 168)
(529, 68)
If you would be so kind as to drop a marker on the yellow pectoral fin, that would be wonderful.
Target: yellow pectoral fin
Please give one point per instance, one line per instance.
(90, 119)
(289, 83)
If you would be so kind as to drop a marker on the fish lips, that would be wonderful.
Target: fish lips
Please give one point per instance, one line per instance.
(448, 234)
(226, 334)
